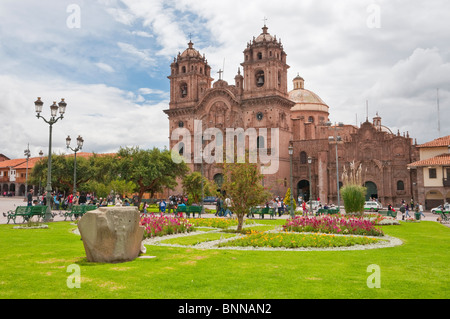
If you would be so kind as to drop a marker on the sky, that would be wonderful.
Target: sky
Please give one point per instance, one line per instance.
(109, 60)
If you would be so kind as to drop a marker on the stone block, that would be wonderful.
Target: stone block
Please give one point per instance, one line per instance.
(111, 234)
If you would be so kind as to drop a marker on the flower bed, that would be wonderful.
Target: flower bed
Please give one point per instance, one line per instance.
(164, 225)
(293, 240)
(332, 225)
(222, 223)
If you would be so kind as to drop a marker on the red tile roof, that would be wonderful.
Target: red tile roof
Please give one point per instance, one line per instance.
(440, 160)
(439, 142)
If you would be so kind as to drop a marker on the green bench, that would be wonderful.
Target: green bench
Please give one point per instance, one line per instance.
(189, 209)
(445, 215)
(327, 211)
(261, 212)
(78, 211)
(26, 212)
(389, 213)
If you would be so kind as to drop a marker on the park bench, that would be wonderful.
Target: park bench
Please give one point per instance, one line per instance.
(445, 215)
(26, 212)
(327, 211)
(261, 212)
(78, 211)
(189, 209)
(390, 213)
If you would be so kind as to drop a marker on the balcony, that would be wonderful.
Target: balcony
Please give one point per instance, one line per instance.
(446, 182)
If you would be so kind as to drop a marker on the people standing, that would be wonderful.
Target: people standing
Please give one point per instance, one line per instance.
(30, 198)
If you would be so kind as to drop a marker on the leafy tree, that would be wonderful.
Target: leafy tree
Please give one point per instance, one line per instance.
(192, 185)
(287, 199)
(150, 170)
(242, 184)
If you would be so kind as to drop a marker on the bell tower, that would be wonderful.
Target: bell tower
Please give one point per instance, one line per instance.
(265, 68)
(189, 78)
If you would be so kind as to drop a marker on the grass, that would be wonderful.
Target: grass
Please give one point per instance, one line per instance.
(33, 264)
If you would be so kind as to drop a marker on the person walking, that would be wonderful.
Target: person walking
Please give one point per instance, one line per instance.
(421, 210)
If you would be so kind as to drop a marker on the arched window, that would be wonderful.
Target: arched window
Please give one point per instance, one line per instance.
(181, 148)
(260, 142)
(259, 55)
(303, 157)
(311, 119)
(183, 89)
(400, 186)
(259, 76)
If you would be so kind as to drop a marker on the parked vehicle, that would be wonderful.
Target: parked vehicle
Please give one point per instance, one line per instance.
(372, 206)
(210, 200)
(315, 204)
(445, 208)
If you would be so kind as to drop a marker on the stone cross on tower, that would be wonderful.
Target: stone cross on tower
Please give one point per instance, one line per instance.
(220, 74)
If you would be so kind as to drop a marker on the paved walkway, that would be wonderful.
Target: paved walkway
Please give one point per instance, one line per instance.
(10, 203)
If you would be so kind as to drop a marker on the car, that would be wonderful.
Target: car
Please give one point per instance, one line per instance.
(315, 204)
(438, 210)
(210, 200)
(372, 206)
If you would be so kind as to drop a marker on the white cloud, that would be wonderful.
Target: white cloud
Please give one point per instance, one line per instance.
(105, 67)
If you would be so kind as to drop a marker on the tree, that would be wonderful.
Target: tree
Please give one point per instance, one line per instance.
(192, 186)
(151, 170)
(287, 199)
(242, 184)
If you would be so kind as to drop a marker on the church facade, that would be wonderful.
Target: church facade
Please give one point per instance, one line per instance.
(259, 101)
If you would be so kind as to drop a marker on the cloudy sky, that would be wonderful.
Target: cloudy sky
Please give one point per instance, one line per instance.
(110, 60)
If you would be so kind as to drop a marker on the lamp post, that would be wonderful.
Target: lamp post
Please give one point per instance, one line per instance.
(27, 153)
(201, 168)
(39, 191)
(310, 182)
(291, 205)
(336, 139)
(80, 142)
(53, 119)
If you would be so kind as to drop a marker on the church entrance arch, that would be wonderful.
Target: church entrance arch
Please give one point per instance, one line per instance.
(303, 189)
(372, 191)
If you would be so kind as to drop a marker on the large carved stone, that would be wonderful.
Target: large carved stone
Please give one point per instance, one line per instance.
(111, 234)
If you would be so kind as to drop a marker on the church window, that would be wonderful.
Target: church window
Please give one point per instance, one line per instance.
(400, 186)
(259, 55)
(201, 70)
(260, 142)
(279, 78)
(303, 157)
(311, 119)
(260, 78)
(270, 53)
(183, 89)
(183, 69)
(181, 148)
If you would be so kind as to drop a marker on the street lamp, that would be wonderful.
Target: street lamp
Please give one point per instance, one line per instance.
(310, 182)
(53, 119)
(39, 191)
(291, 205)
(27, 153)
(75, 150)
(336, 139)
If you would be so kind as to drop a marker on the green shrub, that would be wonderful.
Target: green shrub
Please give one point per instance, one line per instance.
(354, 197)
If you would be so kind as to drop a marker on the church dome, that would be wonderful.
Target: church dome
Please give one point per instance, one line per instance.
(264, 36)
(305, 100)
(190, 52)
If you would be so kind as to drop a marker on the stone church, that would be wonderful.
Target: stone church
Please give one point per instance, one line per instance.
(259, 99)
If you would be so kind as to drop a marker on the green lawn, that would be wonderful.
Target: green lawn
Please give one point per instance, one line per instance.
(34, 262)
